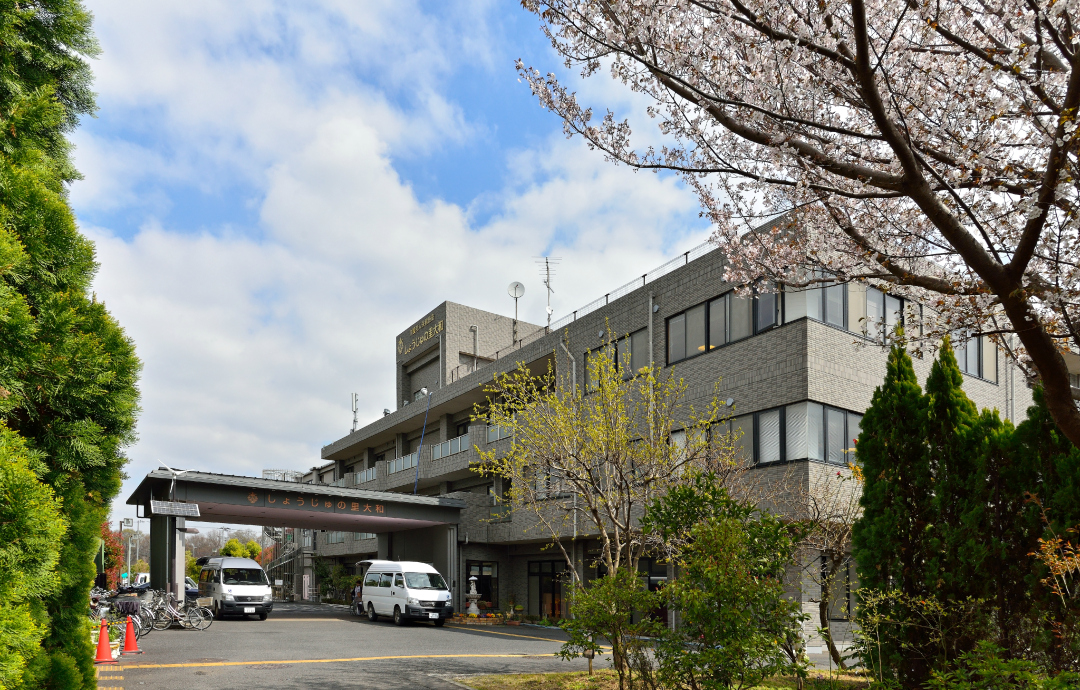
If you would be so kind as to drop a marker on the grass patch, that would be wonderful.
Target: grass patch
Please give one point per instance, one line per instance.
(607, 679)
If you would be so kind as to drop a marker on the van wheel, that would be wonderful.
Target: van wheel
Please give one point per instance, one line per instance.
(439, 622)
(398, 618)
(371, 613)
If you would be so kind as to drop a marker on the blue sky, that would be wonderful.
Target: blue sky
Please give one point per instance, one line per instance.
(276, 190)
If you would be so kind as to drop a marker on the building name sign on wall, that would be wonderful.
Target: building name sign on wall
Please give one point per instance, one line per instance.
(311, 502)
(419, 337)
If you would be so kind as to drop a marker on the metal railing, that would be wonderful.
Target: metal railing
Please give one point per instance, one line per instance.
(466, 368)
(463, 370)
(623, 290)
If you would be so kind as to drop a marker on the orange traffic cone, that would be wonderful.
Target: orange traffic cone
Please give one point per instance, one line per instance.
(130, 645)
(104, 652)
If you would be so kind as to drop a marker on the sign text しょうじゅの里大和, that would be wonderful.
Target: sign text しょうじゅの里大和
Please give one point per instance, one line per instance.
(419, 337)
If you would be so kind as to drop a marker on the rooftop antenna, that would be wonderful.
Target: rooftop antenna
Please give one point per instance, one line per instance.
(516, 290)
(355, 409)
(547, 269)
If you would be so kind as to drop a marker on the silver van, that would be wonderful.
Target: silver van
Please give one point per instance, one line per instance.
(237, 585)
(405, 590)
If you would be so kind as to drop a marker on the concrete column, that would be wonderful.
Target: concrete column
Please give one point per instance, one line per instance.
(385, 541)
(399, 444)
(446, 431)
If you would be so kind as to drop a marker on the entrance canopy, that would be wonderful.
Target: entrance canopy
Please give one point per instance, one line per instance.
(273, 503)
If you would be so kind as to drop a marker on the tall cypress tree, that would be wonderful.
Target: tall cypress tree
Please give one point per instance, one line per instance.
(896, 498)
(1046, 466)
(888, 541)
(67, 372)
(955, 439)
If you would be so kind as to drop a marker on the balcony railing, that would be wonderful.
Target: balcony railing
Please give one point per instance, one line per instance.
(447, 448)
(367, 475)
(405, 462)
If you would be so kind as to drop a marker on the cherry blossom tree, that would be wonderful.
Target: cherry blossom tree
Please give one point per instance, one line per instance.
(929, 148)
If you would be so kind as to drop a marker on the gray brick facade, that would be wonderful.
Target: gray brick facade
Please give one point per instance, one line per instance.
(453, 350)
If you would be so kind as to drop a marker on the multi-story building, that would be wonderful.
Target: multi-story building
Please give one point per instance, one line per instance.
(800, 366)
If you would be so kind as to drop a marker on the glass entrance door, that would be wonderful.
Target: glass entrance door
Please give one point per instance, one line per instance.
(545, 589)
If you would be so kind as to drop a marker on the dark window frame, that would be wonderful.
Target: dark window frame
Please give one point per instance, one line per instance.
(728, 295)
(618, 356)
(755, 442)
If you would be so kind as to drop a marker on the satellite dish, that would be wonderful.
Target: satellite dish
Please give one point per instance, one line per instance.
(516, 289)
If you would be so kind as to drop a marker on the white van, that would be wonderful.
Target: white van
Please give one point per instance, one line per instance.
(405, 590)
(237, 585)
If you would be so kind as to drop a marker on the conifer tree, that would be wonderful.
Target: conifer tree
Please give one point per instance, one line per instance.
(67, 372)
(955, 439)
(888, 541)
(897, 492)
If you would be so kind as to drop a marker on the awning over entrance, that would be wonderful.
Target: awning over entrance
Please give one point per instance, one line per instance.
(269, 502)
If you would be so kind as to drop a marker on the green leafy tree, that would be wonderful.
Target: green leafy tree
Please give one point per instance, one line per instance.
(67, 372)
(191, 566)
(252, 549)
(31, 530)
(234, 549)
(598, 456)
(139, 566)
(608, 604)
(737, 625)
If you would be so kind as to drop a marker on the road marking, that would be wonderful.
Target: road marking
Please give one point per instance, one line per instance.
(493, 632)
(471, 628)
(334, 661)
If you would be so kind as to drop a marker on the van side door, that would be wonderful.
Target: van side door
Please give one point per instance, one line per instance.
(398, 596)
(371, 588)
(384, 605)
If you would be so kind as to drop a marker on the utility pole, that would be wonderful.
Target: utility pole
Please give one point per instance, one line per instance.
(355, 409)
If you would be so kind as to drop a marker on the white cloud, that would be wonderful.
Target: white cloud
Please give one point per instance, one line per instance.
(253, 341)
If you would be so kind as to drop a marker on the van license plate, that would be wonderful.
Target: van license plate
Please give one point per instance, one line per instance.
(433, 615)
(249, 609)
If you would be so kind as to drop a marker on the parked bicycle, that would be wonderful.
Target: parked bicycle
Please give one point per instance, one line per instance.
(168, 612)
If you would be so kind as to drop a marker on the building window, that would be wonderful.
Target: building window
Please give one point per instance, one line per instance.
(335, 537)
(545, 588)
(629, 354)
(487, 581)
(843, 586)
(716, 323)
(976, 356)
(497, 433)
(361, 536)
(803, 431)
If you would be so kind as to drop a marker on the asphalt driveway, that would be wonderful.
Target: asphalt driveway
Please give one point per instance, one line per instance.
(306, 646)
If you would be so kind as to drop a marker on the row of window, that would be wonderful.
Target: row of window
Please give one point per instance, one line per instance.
(803, 431)
(726, 319)
(339, 537)
(851, 306)
(447, 448)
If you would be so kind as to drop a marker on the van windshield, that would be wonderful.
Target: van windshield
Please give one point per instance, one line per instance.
(243, 576)
(424, 581)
